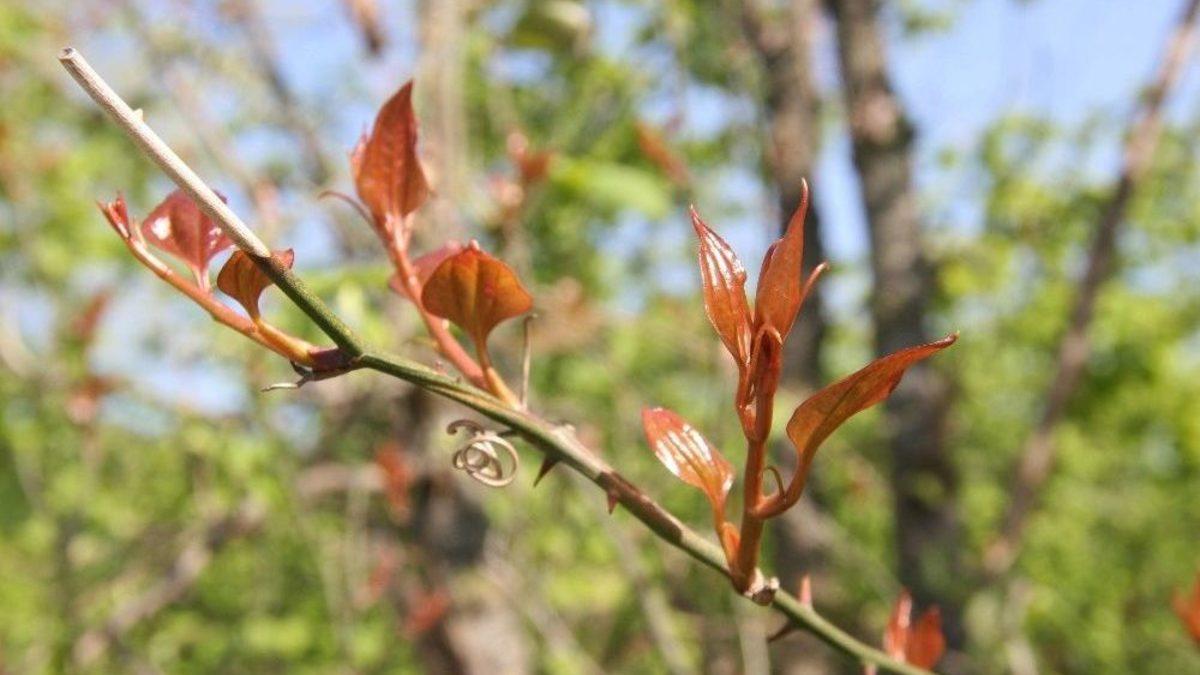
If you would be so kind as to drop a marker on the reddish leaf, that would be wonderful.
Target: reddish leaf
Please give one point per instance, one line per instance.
(1188, 609)
(825, 411)
(780, 292)
(656, 149)
(83, 327)
(532, 166)
(926, 644)
(895, 635)
(397, 477)
(241, 279)
(426, 610)
(688, 455)
(724, 282)
(177, 226)
(424, 266)
(117, 214)
(476, 292)
(921, 644)
(387, 171)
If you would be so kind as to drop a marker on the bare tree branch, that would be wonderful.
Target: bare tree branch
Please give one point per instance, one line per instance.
(924, 480)
(1038, 454)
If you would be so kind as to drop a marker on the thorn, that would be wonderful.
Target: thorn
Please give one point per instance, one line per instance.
(786, 629)
(305, 374)
(613, 498)
(547, 464)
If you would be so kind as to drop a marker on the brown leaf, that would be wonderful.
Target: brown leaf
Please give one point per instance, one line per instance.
(724, 283)
(656, 149)
(117, 214)
(241, 279)
(424, 266)
(688, 455)
(366, 14)
(397, 477)
(1187, 607)
(387, 171)
(895, 635)
(921, 644)
(83, 326)
(825, 411)
(532, 165)
(780, 291)
(177, 226)
(476, 292)
(926, 644)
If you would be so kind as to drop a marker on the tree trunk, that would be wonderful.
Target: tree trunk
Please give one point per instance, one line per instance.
(924, 479)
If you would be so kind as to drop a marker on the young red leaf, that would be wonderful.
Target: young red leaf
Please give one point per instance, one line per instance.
(688, 455)
(177, 226)
(724, 283)
(241, 279)
(1188, 609)
(921, 644)
(658, 151)
(780, 289)
(117, 214)
(895, 634)
(532, 166)
(826, 410)
(424, 266)
(475, 292)
(926, 644)
(387, 172)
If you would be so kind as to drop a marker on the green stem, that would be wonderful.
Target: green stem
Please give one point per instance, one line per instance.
(554, 441)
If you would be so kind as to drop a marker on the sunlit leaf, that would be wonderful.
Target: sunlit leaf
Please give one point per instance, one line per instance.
(780, 288)
(424, 266)
(387, 172)
(241, 279)
(178, 227)
(612, 186)
(921, 644)
(724, 283)
(475, 292)
(825, 411)
(688, 455)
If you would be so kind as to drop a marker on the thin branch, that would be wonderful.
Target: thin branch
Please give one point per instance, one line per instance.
(208, 201)
(1074, 349)
(555, 441)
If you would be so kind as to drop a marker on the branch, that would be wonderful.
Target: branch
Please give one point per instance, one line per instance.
(178, 171)
(1074, 349)
(555, 441)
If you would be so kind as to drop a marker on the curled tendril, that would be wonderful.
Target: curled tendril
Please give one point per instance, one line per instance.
(480, 457)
